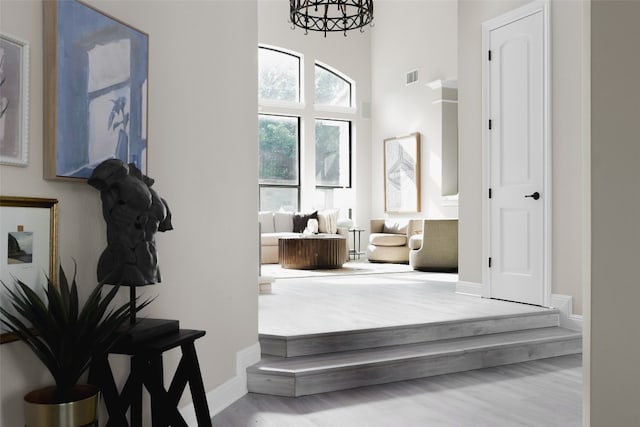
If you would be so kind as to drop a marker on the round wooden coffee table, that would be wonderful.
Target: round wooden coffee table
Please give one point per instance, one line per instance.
(312, 252)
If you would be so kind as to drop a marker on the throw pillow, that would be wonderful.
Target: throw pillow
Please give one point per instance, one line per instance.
(300, 221)
(283, 221)
(328, 221)
(266, 222)
(394, 226)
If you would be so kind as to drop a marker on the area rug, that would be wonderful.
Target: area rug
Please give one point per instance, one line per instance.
(361, 266)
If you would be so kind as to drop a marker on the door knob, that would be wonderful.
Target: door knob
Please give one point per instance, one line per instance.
(534, 196)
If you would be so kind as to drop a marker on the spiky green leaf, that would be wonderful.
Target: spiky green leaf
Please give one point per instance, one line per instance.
(68, 335)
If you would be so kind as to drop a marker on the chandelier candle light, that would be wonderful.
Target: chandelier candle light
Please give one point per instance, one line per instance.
(330, 15)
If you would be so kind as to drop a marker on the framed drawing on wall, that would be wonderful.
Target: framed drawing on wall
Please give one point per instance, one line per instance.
(28, 245)
(14, 101)
(95, 94)
(402, 174)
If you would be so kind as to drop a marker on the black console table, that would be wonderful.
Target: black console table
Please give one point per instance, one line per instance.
(147, 371)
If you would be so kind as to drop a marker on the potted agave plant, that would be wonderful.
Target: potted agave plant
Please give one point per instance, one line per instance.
(66, 337)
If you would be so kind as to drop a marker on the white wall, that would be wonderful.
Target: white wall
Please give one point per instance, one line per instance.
(615, 208)
(203, 156)
(349, 55)
(411, 35)
(568, 140)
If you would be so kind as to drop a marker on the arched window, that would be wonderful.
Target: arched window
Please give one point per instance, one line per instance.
(332, 89)
(278, 75)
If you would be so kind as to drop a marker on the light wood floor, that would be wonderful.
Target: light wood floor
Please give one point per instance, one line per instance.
(298, 306)
(543, 393)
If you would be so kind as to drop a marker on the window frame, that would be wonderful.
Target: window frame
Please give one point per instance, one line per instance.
(298, 185)
(307, 115)
(350, 151)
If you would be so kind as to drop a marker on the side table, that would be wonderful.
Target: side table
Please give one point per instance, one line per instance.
(355, 252)
(147, 371)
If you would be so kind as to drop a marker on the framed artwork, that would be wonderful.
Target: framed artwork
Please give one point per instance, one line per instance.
(14, 101)
(28, 245)
(402, 174)
(95, 94)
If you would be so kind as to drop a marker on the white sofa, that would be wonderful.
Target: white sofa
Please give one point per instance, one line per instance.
(274, 225)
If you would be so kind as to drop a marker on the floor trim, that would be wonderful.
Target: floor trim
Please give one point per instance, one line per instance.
(227, 393)
(568, 320)
(469, 288)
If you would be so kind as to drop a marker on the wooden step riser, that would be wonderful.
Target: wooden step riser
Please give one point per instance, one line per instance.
(358, 340)
(286, 384)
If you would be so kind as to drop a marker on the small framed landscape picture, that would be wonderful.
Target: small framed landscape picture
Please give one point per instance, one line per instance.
(14, 101)
(28, 246)
(95, 90)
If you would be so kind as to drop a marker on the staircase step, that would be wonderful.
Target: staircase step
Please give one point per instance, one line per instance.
(303, 345)
(299, 376)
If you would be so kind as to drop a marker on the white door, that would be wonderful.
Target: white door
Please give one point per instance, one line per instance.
(517, 160)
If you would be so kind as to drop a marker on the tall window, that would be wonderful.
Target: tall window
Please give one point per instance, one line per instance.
(279, 162)
(333, 137)
(284, 115)
(333, 153)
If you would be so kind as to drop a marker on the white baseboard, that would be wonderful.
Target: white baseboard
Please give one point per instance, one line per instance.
(230, 391)
(568, 320)
(470, 288)
(264, 284)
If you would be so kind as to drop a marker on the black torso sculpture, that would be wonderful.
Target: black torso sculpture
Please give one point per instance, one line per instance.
(134, 213)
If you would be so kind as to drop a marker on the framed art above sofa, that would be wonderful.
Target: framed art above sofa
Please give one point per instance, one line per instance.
(402, 174)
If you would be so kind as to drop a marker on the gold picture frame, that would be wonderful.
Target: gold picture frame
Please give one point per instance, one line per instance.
(402, 174)
(28, 245)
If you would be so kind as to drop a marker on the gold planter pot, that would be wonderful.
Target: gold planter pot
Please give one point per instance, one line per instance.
(82, 412)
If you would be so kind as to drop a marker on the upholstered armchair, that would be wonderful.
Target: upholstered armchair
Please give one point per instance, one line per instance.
(436, 248)
(389, 239)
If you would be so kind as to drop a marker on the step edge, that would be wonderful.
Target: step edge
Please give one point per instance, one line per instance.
(287, 338)
(382, 362)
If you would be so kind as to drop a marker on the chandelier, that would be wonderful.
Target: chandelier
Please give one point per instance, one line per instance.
(330, 15)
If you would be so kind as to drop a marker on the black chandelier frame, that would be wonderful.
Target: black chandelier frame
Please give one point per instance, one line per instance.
(331, 15)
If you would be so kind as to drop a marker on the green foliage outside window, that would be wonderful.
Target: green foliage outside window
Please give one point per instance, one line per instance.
(278, 149)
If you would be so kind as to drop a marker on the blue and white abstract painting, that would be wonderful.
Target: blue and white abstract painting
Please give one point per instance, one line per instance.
(102, 69)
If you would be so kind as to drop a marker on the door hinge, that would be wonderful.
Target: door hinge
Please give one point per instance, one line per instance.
(490, 193)
(490, 124)
(489, 262)
(489, 55)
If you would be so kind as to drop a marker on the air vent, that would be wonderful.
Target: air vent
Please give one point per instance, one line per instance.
(412, 77)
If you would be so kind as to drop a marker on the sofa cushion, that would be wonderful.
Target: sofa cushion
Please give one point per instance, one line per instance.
(266, 222)
(283, 222)
(387, 239)
(300, 221)
(395, 226)
(328, 221)
(415, 241)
